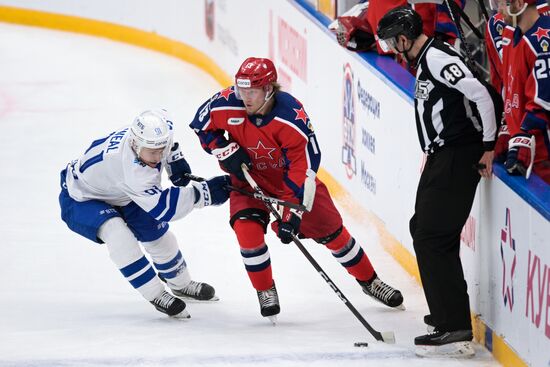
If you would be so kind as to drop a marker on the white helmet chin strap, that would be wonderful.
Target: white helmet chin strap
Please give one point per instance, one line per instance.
(515, 15)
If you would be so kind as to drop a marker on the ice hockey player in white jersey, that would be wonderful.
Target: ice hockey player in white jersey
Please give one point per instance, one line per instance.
(113, 194)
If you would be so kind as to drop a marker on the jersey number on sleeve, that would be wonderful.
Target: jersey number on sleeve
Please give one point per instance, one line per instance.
(452, 73)
(541, 68)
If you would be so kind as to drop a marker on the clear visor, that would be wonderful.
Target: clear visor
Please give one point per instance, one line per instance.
(388, 45)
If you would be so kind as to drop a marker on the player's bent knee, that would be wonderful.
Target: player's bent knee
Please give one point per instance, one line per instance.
(254, 214)
(115, 230)
(250, 233)
(336, 240)
(167, 243)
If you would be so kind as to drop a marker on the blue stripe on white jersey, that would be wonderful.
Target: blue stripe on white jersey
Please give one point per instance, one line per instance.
(167, 204)
(98, 142)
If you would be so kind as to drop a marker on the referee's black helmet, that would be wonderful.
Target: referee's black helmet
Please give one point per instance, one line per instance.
(402, 20)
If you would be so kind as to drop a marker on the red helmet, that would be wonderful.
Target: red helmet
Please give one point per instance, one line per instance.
(255, 73)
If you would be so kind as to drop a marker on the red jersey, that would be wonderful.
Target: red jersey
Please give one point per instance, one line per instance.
(493, 40)
(526, 82)
(281, 145)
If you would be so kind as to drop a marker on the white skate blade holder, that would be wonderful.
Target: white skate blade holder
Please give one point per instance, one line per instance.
(183, 315)
(451, 350)
(273, 319)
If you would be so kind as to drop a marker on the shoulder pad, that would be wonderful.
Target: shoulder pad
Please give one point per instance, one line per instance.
(539, 35)
(225, 97)
(496, 25)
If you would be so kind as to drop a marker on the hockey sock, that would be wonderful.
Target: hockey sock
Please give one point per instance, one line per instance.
(125, 252)
(351, 256)
(255, 253)
(168, 260)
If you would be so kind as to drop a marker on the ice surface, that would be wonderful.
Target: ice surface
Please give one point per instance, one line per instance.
(63, 303)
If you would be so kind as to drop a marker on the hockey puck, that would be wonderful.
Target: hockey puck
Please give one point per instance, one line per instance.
(361, 344)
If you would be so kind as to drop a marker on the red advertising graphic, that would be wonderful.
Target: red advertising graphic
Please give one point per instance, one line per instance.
(293, 49)
(209, 18)
(537, 301)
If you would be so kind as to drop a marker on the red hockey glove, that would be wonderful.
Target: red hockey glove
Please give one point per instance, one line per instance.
(289, 226)
(501, 146)
(521, 155)
(231, 157)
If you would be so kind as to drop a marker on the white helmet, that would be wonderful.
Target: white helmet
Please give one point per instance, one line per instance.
(151, 129)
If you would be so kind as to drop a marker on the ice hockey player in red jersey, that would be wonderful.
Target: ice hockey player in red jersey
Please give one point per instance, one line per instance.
(526, 87)
(256, 124)
(493, 40)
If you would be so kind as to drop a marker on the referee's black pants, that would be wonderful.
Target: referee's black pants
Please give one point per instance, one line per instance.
(443, 202)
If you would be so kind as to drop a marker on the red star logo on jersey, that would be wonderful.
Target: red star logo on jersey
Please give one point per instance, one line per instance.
(541, 32)
(300, 114)
(261, 151)
(226, 93)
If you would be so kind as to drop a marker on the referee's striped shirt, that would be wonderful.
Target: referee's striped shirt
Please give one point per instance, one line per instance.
(452, 106)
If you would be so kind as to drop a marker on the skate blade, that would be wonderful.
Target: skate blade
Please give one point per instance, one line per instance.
(188, 299)
(401, 307)
(273, 319)
(451, 350)
(183, 315)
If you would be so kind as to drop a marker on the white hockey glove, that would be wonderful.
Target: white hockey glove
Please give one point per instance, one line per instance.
(213, 191)
(177, 167)
(521, 155)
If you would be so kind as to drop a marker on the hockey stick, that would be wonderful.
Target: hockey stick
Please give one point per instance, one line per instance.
(481, 4)
(255, 195)
(469, 60)
(386, 336)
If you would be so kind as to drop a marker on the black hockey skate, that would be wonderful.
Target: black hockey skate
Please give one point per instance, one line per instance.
(170, 305)
(269, 303)
(382, 292)
(457, 344)
(197, 291)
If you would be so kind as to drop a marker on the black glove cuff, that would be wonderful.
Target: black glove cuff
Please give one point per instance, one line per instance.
(489, 145)
(197, 195)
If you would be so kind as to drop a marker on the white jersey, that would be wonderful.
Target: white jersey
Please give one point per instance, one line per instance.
(109, 171)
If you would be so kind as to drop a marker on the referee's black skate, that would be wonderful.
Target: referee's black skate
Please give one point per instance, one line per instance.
(382, 292)
(197, 291)
(456, 344)
(170, 305)
(269, 303)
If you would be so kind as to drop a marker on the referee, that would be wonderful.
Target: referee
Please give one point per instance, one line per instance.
(456, 118)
